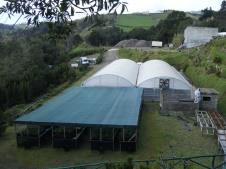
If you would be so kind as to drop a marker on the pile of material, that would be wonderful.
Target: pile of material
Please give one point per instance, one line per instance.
(133, 43)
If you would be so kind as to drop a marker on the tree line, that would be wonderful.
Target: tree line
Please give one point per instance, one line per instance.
(164, 31)
(172, 26)
(31, 63)
(212, 18)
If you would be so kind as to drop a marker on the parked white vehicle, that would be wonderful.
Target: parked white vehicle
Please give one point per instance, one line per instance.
(84, 61)
(74, 65)
(92, 61)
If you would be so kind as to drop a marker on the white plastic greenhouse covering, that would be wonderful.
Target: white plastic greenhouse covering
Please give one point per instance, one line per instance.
(152, 71)
(120, 73)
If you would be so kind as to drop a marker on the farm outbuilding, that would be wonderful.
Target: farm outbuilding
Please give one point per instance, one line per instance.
(154, 73)
(197, 36)
(120, 73)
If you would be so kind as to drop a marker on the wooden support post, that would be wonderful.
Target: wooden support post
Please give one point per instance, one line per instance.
(15, 129)
(90, 134)
(52, 135)
(64, 132)
(39, 144)
(27, 130)
(100, 134)
(136, 138)
(113, 138)
(123, 134)
(213, 162)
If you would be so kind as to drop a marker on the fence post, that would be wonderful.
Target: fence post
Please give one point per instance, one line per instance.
(213, 162)
(185, 163)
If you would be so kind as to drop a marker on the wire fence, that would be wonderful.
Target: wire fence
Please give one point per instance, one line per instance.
(194, 162)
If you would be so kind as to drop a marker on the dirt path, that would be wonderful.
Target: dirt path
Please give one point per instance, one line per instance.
(109, 57)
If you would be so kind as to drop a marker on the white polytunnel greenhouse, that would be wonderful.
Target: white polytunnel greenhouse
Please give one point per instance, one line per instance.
(156, 74)
(120, 73)
(152, 71)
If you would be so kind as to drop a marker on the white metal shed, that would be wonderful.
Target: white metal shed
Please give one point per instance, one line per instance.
(120, 73)
(152, 71)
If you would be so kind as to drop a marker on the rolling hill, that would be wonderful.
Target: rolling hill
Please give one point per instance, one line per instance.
(128, 22)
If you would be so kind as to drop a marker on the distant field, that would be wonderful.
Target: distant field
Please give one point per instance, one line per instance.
(129, 21)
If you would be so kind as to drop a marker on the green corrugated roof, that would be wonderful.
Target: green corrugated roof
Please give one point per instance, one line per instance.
(88, 107)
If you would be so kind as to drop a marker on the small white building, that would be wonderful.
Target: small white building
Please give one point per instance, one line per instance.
(222, 34)
(120, 73)
(197, 36)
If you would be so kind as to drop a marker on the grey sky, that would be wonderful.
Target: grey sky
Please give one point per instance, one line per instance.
(146, 6)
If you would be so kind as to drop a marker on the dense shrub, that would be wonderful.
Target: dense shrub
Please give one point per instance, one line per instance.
(100, 58)
(2, 123)
(223, 73)
(217, 60)
(178, 40)
(84, 51)
(109, 36)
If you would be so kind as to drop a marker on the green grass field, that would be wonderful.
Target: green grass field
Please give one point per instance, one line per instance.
(129, 21)
(158, 134)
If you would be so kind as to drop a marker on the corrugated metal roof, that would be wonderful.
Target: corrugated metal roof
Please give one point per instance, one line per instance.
(89, 107)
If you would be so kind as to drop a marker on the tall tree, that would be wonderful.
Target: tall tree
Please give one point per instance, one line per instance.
(223, 6)
(60, 11)
(206, 13)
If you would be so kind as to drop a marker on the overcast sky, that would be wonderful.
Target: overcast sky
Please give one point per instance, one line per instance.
(147, 6)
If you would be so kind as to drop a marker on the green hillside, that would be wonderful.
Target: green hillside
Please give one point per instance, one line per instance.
(129, 21)
(204, 66)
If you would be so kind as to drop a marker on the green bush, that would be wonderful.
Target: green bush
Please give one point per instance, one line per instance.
(223, 73)
(217, 60)
(128, 164)
(3, 123)
(78, 52)
(178, 40)
(100, 57)
(210, 69)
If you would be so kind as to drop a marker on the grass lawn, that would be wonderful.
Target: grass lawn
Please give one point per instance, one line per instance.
(129, 21)
(157, 134)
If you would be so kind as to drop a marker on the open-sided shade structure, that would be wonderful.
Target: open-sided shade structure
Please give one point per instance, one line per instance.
(110, 107)
(108, 117)
(152, 71)
(120, 73)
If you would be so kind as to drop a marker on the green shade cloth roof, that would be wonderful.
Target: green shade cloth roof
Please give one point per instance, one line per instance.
(89, 106)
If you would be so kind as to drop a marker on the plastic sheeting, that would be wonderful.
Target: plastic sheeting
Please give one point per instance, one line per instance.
(152, 71)
(120, 73)
(115, 107)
